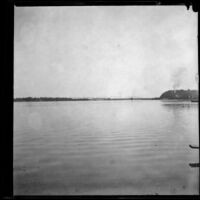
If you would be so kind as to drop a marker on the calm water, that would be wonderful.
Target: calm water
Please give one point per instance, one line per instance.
(105, 147)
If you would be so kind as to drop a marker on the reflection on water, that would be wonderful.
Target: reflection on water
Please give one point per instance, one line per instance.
(178, 105)
(105, 147)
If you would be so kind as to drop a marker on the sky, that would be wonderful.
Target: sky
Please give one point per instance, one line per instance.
(104, 51)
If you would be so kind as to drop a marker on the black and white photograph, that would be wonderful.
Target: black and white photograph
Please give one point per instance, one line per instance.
(105, 100)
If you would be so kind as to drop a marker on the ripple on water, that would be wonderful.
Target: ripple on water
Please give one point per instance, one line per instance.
(105, 148)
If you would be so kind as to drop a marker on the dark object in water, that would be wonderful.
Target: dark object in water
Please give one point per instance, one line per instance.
(194, 164)
(193, 147)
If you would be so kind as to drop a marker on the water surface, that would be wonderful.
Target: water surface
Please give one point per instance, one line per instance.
(105, 147)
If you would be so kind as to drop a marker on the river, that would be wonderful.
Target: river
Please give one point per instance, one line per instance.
(105, 147)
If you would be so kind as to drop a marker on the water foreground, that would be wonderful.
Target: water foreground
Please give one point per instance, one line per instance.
(105, 147)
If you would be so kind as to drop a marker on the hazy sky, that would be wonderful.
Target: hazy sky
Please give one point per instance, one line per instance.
(116, 51)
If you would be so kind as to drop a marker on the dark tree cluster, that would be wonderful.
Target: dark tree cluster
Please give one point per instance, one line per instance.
(180, 94)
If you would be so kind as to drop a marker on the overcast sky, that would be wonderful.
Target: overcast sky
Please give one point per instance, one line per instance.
(116, 51)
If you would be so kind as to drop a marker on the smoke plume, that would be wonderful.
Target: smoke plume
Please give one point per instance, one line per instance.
(197, 78)
(177, 77)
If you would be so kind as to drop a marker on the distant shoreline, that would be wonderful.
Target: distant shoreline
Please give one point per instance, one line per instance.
(32, 99)
(175, 95)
